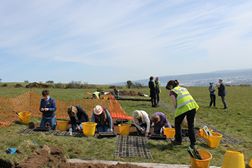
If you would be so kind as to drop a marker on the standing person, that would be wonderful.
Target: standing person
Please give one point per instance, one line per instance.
(157, 88)
(47, 108)
(152, 92)
(185, 106)
(142, 122)
(77, 116)
(116, 93)
(160, 121)
(103, 119)
(212, 95)
(222, 92)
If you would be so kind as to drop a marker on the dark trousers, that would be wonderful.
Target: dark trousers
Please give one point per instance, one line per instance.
(144, 126)
(212, 100)
(51, 121)
(157, 98)
(153, 100)
(157, 128)
(190, 115)
(224, 101)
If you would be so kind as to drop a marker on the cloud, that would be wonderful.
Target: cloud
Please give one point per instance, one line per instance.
(147, 37)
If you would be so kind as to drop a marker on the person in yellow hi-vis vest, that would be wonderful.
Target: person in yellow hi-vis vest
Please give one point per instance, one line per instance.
(185, 106)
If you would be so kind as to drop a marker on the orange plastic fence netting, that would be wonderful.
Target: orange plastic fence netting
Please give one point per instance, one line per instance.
(30, 101)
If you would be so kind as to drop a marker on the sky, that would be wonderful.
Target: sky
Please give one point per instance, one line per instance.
(109, 41)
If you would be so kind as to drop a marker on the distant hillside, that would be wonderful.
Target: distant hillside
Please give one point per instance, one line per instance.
(232, 77)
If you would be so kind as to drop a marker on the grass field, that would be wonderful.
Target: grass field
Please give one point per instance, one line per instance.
(235, 122)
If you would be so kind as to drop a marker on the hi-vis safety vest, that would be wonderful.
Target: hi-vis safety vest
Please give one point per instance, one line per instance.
(185, 101)
(96, 95)
(157, 85)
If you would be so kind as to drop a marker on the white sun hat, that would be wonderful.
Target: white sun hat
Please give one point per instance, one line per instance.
(98, 110)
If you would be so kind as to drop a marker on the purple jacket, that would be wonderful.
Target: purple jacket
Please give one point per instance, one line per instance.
(163, 120)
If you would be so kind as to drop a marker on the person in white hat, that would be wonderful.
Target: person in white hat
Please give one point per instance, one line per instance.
(77, 115)
(103, 119)
(142, 122)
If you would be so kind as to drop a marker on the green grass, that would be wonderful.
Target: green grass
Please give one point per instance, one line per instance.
(235, 122)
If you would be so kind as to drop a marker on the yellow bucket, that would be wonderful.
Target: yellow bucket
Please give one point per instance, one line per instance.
(233, 159)
(214, 140)
(124, 129)
(62, 125)
(205, 162)
(250, 163)
(88, 128)
(24, 117)
(169, 132)
(202, 133)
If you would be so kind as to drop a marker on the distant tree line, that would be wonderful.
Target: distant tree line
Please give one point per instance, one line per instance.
(51, 84)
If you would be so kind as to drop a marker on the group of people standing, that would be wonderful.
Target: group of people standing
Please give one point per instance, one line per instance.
(155, 90)
(221, 93)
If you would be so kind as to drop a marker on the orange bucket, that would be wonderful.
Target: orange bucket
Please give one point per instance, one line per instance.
(214, 140)
(250, 163)
(202, 133)
(169, 132)
(205, 162)
(124, 129)
(24, 117)
(62, 125)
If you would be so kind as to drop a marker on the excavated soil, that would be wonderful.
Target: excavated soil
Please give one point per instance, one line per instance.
(89, 165)
(54, 158)
(45, 157)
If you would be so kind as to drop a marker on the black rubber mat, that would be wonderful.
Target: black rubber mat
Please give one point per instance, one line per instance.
(52, 132)
(132, 146)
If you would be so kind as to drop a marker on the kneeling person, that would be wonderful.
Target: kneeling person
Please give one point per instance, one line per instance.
(142, 122)
(77, 116)
(47, 108)
(159, 121)
(102, 117)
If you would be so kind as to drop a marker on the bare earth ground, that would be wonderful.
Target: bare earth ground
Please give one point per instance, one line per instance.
(53, 157)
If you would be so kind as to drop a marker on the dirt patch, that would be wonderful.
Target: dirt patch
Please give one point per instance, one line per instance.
(130, 93)
(45, 157)
(54, 158)
(89, 165)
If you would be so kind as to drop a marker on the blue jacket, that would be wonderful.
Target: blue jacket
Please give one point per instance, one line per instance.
(50, 103)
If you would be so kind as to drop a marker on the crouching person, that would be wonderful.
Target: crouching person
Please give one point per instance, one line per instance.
(159, 121)
(142, 122)
(102, 117)
(77, 115)
(47, 108)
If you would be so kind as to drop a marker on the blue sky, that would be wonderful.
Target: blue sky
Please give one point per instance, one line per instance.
(107, 41)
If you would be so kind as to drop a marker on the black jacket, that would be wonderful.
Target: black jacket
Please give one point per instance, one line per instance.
(152, 88)
(221, 90)
(81, 116)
